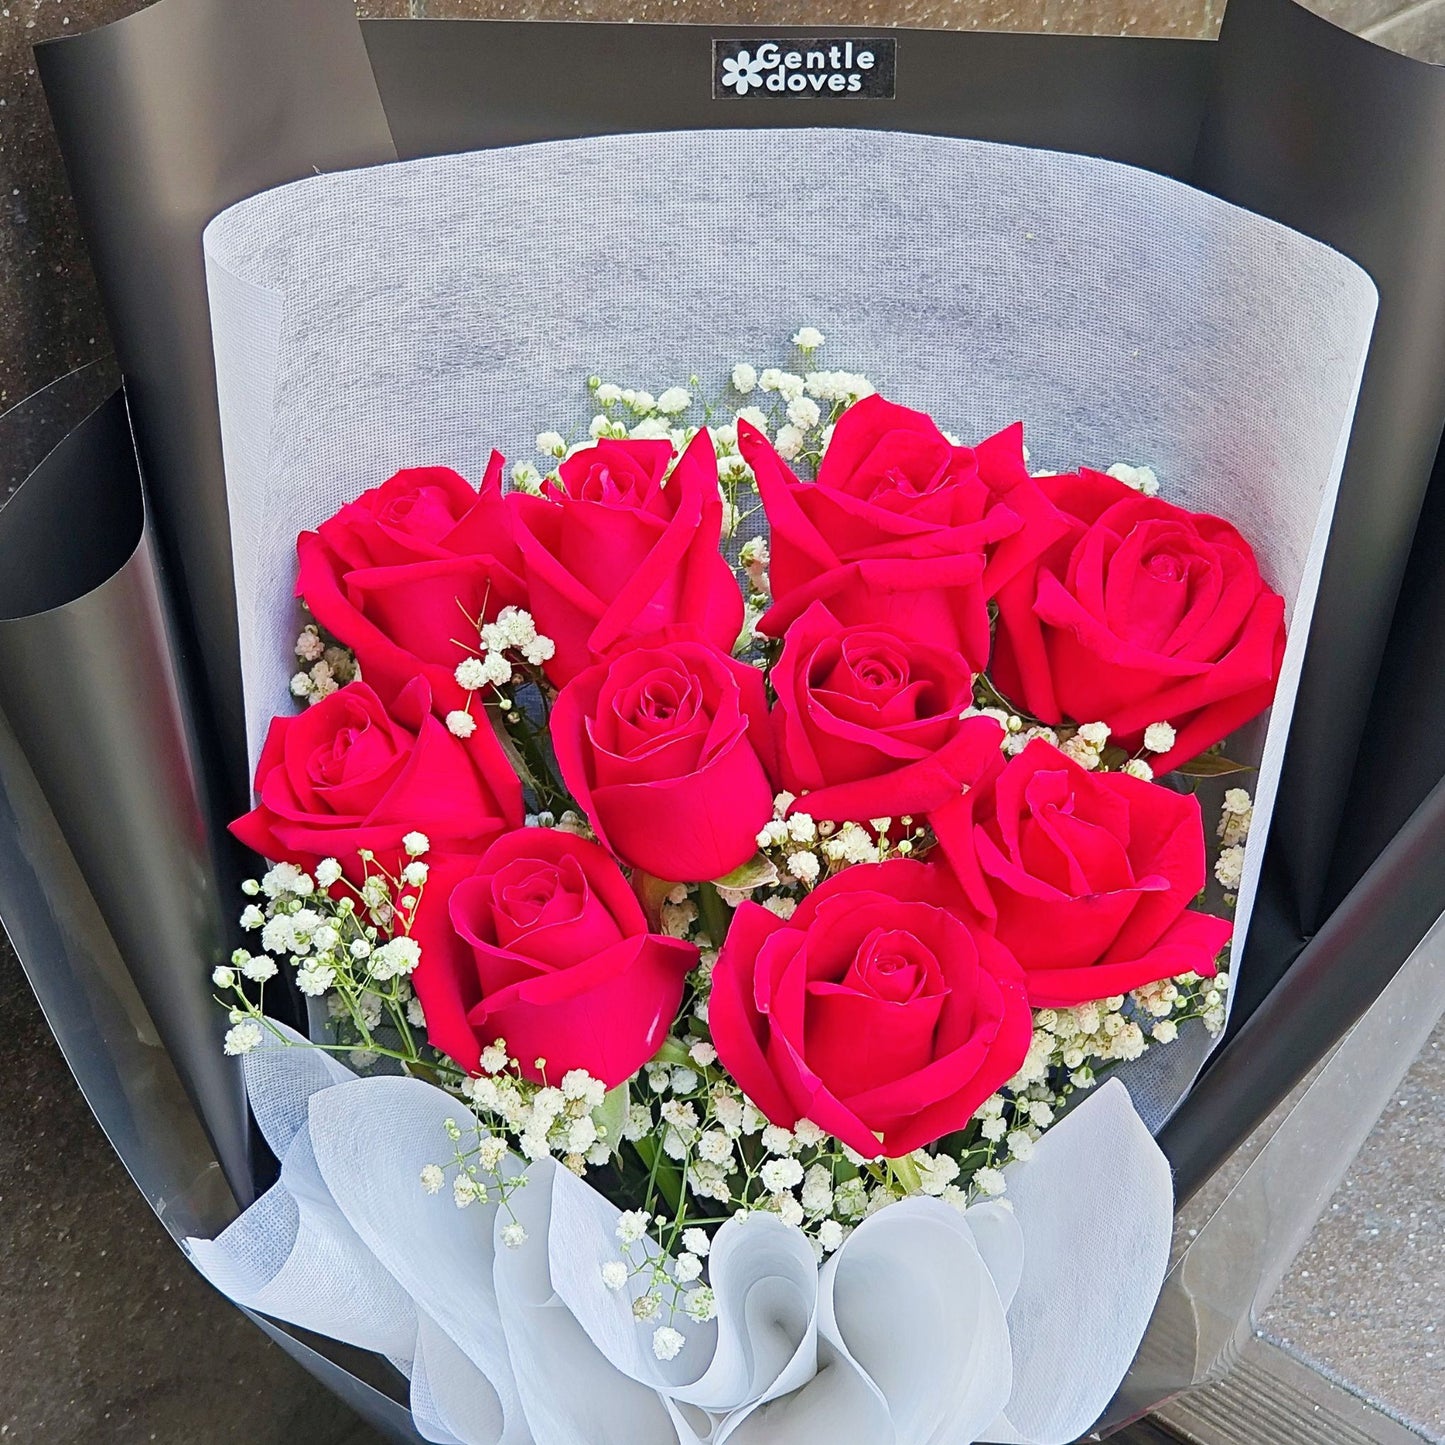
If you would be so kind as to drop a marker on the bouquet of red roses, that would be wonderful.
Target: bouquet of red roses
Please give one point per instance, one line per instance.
(741, 857)
(785, 892)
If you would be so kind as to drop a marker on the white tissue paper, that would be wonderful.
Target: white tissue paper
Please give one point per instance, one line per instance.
(1012, 1321)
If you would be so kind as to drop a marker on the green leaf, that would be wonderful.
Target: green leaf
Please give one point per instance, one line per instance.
(1212, 765)
(757, 872)
(673, 1053)
(610, 1116)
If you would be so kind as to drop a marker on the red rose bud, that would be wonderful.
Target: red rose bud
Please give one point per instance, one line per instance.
(876, 1011)
(1085, 877)
(901, 527)
(1144, 612)
(666, 748)
(551, 953)
(398, 574)
(612, 554)
(867, 721)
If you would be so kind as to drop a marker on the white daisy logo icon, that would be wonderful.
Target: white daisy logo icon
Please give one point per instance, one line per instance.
(742, 73)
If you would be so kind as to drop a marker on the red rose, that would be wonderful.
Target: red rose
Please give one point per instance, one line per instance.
(666, 749)
(901, 526)
(423, 514)
(620, 549)
(1142, 613)
(1085, 877)
(867, 721)
(349, 774)
(553, 955)
(876, 1011)
(403, 574)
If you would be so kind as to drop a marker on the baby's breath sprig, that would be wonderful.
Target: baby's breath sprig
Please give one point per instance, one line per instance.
(326, 665)
(348, 944)
(804, 851)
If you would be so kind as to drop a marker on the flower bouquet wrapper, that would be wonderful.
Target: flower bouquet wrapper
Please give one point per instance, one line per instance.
(364, 320)
(982, 282)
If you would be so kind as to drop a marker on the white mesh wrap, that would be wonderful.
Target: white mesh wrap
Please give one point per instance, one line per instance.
(1005, 1323)
(426, 312)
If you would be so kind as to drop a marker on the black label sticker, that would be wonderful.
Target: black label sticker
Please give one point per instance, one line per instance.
(818, 66)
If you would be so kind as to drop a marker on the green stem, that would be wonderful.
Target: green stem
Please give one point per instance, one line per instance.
(716, 915)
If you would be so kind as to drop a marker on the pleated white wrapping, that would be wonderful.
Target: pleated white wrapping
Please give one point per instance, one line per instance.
(1011, 1322)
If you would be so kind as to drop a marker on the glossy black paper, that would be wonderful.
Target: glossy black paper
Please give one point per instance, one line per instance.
(169, 116)
(107, 875)
(164, 119)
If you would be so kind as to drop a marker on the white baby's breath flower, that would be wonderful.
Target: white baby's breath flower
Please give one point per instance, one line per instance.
(674, 400)
(808, 338)
(526, 478)
(755, 417)
(609, 393)
(1096, 734)
(803, 866)
(470, 673)
(1159, 737)
(278, 936)
(789, 441)
(432, 1178)
(817, 1195)
(223, 977)
(395, 958)
(808, 1134)
(309, 646)
(415, 844)
(1138, 768)
(614, 1274)
(745, 377)
(667, 1342)
(1236, 816)
(778, 1175)
(1164, 1032)
(1020, 1145)
(243, 1037)
(514, 1236)
(830, 1235)
(258, 968)
(632, 1225)
(803, 412)
(551, 444)
(696, 1241)
(777, 1140)
(688, 1267)
(988, 1182)
(700, 1305)
(790, 1211)
(1229, 867)
(314, 979)
(1141, 479)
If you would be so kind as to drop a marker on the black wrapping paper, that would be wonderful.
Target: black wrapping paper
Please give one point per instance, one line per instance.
(1346, 142)
(107, 875)
(165, 118)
